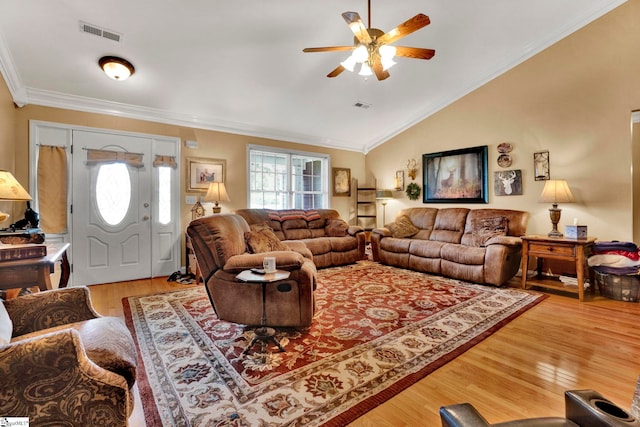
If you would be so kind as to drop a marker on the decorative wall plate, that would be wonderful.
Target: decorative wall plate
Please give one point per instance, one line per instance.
(504, 160)
(505, 147)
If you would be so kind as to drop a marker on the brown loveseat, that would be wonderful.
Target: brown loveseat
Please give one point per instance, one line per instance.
(475, 245)
(223, 249)
(65, 365)
(329, 238)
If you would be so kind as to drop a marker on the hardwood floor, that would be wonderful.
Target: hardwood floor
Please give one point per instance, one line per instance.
(521, 371)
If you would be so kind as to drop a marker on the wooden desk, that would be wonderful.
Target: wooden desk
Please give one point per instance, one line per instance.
(573, 250)
(26, 273)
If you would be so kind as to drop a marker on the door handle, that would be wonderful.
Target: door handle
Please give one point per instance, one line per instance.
(145, 218)
(146, 205)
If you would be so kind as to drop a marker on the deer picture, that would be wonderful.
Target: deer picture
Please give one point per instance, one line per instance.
(507, 180)
(446, 183)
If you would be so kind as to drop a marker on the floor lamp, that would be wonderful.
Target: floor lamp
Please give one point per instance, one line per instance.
(384, 195)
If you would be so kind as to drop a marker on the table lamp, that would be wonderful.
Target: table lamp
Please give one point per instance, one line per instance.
(384, 195)
(556, 191)
(216, 193)
(10, 189)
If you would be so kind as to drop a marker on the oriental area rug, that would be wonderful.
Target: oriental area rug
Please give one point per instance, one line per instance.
(376, 331)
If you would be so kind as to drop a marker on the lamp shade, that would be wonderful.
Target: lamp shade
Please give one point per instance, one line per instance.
(10, 188)
(216, 193)
(384, 194)
(556, 191)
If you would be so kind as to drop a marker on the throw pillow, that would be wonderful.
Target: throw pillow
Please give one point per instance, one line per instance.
(402, 227)
(336, 228)
(485, 228)
(261, 239)
(6, 326)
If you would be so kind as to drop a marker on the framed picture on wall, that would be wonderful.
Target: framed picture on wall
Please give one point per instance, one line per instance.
(541, 166)
(341, 182)
(399, 181)
(507, 183)
(202, 171)
(455, 176)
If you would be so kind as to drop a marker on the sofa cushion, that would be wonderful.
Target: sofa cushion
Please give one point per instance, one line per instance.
(402, 227)
(486, 228)
(317, 223)
(336, 228)
(6, 325)
(286, 214)
(261, 239)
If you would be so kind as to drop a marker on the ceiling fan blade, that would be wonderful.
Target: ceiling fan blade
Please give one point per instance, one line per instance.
(380, 73)
(358, 28)
(414, 52)
(339, 69)
(404, 29)
(327, 49)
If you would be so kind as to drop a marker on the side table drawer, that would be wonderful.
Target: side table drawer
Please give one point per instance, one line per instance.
(536, 248)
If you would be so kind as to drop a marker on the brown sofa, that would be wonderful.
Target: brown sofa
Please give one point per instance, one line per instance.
(475, 245)
(330, 239)
(221, 245)
(64, 364)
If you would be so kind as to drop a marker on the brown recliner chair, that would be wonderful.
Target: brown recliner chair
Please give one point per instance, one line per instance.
(583, 408)
(222, 253)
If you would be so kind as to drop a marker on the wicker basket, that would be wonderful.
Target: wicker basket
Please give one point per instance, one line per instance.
(621, 288)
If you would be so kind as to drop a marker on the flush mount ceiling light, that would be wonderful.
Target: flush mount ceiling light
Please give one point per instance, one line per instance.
(116, 68)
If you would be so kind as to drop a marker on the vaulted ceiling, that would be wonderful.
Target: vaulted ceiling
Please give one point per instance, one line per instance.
(238, 66)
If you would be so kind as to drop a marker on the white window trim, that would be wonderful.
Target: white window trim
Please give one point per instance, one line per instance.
(326, 173)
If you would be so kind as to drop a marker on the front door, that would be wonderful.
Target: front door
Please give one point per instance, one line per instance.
(111, 236)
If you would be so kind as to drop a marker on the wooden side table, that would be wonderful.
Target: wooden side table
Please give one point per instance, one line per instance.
(188, 252)
(573, 250)
(263, 334)
(29, 272)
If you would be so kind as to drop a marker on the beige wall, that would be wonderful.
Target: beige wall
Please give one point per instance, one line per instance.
(14, 141)
(7, 140)
(636, 181)
(574, 99)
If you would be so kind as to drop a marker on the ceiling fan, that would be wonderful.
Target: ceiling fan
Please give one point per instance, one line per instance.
(372, 47)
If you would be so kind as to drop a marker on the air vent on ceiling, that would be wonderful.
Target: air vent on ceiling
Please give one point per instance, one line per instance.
(362, 105)
(100, 32)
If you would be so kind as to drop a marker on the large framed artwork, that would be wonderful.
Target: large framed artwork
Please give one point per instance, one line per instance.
(203, 171)
(456, 176)
(341, 182)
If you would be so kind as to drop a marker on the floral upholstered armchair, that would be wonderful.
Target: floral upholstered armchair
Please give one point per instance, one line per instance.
(61, 363)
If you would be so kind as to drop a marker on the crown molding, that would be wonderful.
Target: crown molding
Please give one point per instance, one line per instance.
(91, 105)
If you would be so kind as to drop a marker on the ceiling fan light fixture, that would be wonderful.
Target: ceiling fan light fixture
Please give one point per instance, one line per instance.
(349, 63)
(360, 54)
(387, 51)
(387, 62)
(365, 70)
(116, 68)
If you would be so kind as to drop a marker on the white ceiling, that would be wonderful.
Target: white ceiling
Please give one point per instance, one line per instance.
(238, 66)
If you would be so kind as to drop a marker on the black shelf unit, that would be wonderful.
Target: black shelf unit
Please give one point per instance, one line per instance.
(366, 214)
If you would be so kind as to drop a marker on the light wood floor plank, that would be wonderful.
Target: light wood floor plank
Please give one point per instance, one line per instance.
(521, 371)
